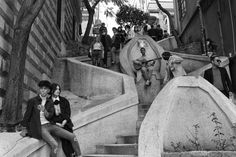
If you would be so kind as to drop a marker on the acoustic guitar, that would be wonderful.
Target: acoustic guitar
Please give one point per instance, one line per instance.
(139, 65)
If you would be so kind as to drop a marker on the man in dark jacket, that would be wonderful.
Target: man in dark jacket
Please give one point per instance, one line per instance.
(32, 121)
(106, 42)
(153, 33)
(37, 121)
(218, 76)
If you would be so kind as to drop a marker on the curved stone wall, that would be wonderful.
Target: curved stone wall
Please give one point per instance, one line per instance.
(184, 102)
(131, 51)
(87, 80)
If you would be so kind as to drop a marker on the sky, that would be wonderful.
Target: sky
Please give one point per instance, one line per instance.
(110, 22)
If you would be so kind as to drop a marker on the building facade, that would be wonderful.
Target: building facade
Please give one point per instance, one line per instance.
(140, 4)
(197, 20)
(162, 18)
(52, 28)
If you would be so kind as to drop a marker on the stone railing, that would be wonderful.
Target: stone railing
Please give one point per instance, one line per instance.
(99, 124)
(102, 123)
(168, 44)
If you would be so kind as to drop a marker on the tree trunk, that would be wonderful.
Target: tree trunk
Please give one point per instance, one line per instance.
(88, 28)
(172, 27)
(12, 106)
(91, 11)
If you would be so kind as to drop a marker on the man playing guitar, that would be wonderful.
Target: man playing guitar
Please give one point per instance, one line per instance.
(146, 66)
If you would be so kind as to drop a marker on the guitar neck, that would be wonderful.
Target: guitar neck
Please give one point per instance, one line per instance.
(151, 60)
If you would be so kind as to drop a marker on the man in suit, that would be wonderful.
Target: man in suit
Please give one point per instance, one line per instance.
(106, 42)
(218, 76)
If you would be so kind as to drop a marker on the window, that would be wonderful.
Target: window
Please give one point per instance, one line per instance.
(182, 8)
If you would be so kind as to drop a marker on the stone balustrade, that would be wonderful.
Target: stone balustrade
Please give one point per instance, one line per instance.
(99, 124)
(184, 102)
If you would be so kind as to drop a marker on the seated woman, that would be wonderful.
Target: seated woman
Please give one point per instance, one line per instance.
(38, 121)
(62, 116)
(174, 67)
(146, 66)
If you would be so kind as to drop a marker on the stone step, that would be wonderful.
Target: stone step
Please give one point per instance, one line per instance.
(142, 106)
(84, 59)
(141, 117)
(127, 139)
(142, 111)
(200, 154)
(108, 155)
(121, 149)
(138, 125)
(115, 67)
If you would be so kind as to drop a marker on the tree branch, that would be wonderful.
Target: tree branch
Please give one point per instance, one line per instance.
(95, 4)
(172, 27)
(87, 5)
(29, 8)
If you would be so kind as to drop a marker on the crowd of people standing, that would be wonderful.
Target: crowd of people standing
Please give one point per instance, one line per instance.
(104, 43)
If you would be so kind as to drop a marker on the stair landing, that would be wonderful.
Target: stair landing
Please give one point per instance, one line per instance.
(80, 104)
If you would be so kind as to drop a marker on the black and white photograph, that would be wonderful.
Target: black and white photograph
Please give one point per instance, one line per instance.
(117, 78)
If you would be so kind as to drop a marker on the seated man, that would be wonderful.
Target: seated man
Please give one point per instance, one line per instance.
(37, 121)
(146, 66)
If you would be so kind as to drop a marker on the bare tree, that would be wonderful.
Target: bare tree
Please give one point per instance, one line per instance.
(12, 106)
(91, 11)
(172, 27)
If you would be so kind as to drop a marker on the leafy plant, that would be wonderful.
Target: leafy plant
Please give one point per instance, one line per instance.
(232, 142)
(109, 12)
(195, 139)
(178, 147)
(220, 141)
(130, 15)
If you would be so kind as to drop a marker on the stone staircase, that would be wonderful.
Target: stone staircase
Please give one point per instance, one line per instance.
(76, 49)
(85, 59)
(126, 146)
(142, 111)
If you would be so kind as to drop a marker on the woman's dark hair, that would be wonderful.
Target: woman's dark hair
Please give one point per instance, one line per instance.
(54, 87)
(44, 83)
(142, 48)
(213, 57)
(166, 55)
